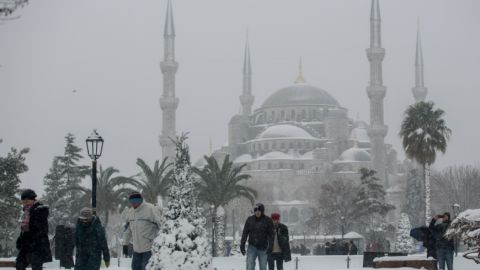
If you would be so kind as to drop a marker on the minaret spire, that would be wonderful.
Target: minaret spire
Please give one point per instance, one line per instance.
(376, 93)
(419, 91)
(246, 99)
(300, 78)
(168, 101)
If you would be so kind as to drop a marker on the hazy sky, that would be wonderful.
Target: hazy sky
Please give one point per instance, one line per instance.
(109, 52)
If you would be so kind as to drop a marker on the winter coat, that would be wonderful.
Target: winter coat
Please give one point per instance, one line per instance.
(64, 245)
(438, 231)
(143, 224)
(35, 240)
(283, 241)
(91, 242)
(259, 232)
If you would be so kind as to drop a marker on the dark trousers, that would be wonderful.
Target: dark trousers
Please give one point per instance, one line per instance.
(26, 258)
(275, 258)
(140, 260)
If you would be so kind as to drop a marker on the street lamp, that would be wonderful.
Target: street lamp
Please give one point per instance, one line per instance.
(342, 218)
(94, 150)
(455, 208)
(305, 242)
(212, 209)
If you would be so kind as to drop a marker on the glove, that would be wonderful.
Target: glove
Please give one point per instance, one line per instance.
(242, 250)
(107, 264)
(125, 251)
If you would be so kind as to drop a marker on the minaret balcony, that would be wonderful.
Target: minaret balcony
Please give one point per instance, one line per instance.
(375, 54)
(169, 103)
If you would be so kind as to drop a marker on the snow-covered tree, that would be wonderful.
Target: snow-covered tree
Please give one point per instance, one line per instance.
(11, 166)
(220, 232)
(181, 243)
(466, 227)
(369, 204)
(10, 6)
(403, 240)
(414, 205)
(64, 174)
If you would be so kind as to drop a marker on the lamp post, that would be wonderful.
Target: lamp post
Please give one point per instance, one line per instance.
(212, 209)
(342, 218)
(455, 208)
(305, 242)
(94, 150)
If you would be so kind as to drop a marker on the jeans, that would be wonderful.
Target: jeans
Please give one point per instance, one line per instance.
(445, 256)
(252, 254)
(275, 258)
(140, 260)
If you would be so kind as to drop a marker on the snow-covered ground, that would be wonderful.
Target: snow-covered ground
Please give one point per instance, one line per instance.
(304, 263)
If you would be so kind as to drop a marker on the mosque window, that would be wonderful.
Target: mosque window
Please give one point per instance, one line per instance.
(304, 114)
(302, 166)
(282, 145)
(299, 145)
(285, 216)
(293, 114)
(274, 145)
(265, 146)
(308, 145)
(273, 116)
(269, 166)
(282, 115)
(294, 215)
(291, 145)
(280, 165)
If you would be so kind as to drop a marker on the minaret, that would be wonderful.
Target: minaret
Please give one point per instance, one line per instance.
(168, 101)
(419, 91)
(300, 79)
(376, 92)
(246, 99)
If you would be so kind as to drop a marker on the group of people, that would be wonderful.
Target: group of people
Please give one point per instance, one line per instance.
(268, 240)
(438, 245)
(143, 223)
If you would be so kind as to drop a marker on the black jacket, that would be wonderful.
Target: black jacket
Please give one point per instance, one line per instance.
(35, 240)
(438, 231)
(259, 232)
(283, 241)
(91, 243)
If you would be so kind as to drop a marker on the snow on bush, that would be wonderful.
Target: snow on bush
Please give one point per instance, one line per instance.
(403, 241)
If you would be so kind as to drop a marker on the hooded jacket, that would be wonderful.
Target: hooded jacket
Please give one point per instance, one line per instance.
(91, 242)
(259, 232)
(143, 224)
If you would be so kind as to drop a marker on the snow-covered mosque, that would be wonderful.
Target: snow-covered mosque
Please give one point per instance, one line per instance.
(301, 136)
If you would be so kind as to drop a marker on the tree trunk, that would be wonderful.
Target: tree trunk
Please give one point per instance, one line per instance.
(220, 232)
(426, 176)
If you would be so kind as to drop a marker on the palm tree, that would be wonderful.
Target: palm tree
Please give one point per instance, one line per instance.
(423, 133)
(112, 193)
(155, 181)
(218, 186)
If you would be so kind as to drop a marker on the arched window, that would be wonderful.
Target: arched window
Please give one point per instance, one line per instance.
(293, 114)
(294, 215)
(282, 115)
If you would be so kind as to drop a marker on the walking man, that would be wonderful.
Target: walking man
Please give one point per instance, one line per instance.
(281, 245)
(90, 241)
(444, 246)
(33, 243)
(259, 231)
(143, 223)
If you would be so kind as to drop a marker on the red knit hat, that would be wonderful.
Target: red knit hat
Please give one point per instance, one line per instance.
(276, 216)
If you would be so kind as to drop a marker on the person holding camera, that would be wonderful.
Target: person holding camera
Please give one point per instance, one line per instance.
(445, 247)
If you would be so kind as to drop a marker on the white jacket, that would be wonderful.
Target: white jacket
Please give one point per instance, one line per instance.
(142, 227)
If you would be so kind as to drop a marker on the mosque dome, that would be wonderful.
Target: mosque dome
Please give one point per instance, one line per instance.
(284, 131)
(354, 154)
(300, 94)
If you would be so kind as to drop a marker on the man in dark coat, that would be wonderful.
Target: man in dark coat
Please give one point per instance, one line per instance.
(352, 248)
(64, 245)
(90, 241)
(33, 243)
(259, 231)
(445, 247)
(281, 245)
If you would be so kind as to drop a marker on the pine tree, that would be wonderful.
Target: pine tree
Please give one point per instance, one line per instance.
(11, 166)
(414, 205)
(403, 241)
(64, 174)
(181, 243)
(370, 205)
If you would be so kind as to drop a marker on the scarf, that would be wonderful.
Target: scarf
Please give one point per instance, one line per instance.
(25, 222)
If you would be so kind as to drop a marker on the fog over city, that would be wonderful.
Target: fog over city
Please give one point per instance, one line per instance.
(72, 66)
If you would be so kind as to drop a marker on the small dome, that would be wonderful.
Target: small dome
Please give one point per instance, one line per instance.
(354, 154)
(200, 163)
(300, 94)
(359, 135)
(243, 158)
(275, 155)
(237, 119)
(284, 131)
